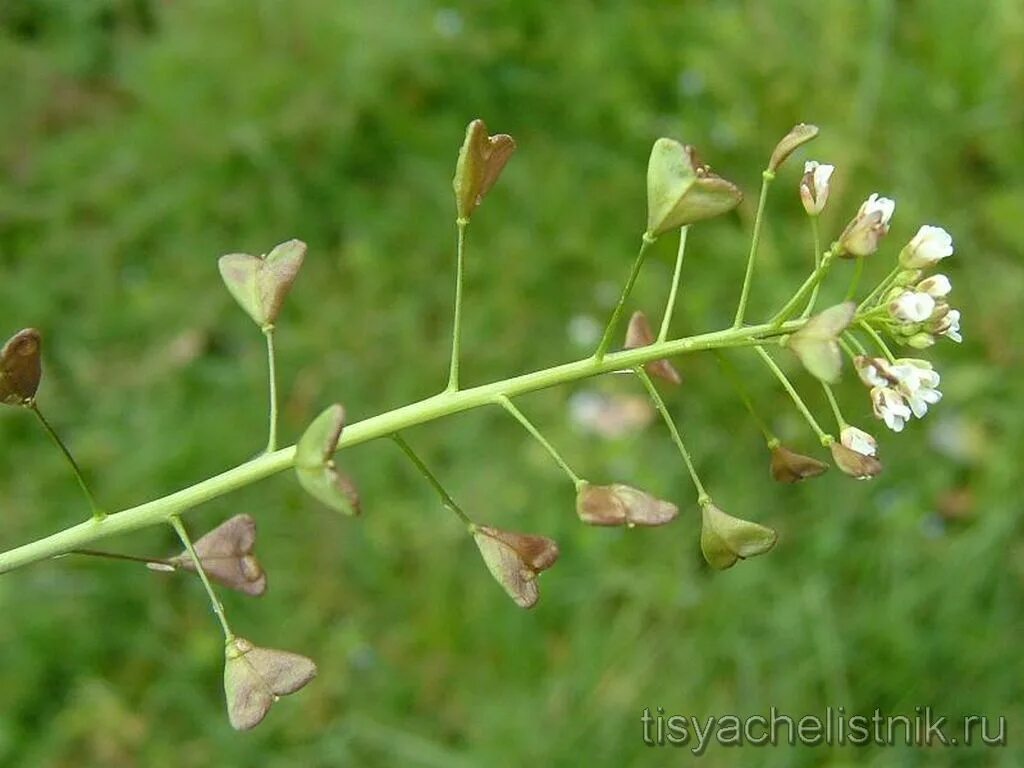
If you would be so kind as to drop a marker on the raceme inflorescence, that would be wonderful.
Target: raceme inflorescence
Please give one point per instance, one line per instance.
(908, 309)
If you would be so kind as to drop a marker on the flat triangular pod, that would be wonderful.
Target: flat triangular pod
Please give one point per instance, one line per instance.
(260, 284)
(620, 504)
(226, 554)
(816, 345)
(255, 678)
(481, 161)
(515, 559)
(724, 539)
(315, 466)
(639, 334)
(682, 190)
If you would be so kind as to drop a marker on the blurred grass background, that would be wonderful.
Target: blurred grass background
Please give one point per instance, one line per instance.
(141, 139)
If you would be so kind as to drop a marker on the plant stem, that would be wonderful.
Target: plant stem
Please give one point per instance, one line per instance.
(519, 416)
(446, 500)
(638, 262)
(431, 409)
(97, 513)
(744, 396)
(852, 338)
(766, 180)
(857, 272)
(809, 284)
(825, 438)
(878, 340)
(218, 608)
(268, 331)
(166, 564)
(881, 288)
(843, 424)
(670, 307)
(453, 371)
(816, 235)
(702, 495)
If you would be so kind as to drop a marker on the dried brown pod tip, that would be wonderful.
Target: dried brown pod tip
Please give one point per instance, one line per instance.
(20, 367)
(853, 463)
(515, 560)
(639, 334)
(255, 678)
(798, 135)
(622, 505)
(792, 467)
(226, 554)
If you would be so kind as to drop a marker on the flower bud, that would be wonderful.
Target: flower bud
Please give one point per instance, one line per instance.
(948, 325)
(226, 554)
(815, 186)
(481, 161)
(921, 340)
(798, 135)
(912, 307)
(315, 466)
(21, 367)
(815, 343)
(858, 440)
(790, 467)
(515, 560)
(682, 190)
(255, 678)
(260, 284)
(854, 463)
(928, 247)
(863, 234)
(872, 371)
(889, 406)
(936, 286)
(622, 505)
(639, 334)
(725, 539)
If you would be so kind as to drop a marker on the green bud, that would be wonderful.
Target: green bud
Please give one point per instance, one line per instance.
(791, 467)
(481, 161)
(315, 466)
(639, 334)
(816, 345)
(260, 283)
(798, 136)
(20, 367)
(226, 554)
(682, 190)
(255, 678)
(921, 340)
(725, 539)
(515, 560)
(622, 505)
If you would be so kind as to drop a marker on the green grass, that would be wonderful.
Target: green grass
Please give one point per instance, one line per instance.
(141, 140)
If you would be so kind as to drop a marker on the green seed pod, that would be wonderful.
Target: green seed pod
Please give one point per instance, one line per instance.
(260, 284)
(315, 466)
(725, 539)
(815, 343)
(481, 161)
(682, 190)
(798, 135)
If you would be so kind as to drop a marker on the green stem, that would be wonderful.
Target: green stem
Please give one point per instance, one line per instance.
(881, 288)
(850, 352)
(671, 305)
(218, 608)
(766, 180)
(453, 371)
(798, 298)
(878, 340)
(744, 396)
(857, 272)
(702, 495)
(638, 262)
(824, 437)
(843, 424)
(446, 500)
(852, 338)
(816, 234)
(272, 372)
(431, 409)
(166, 564)
(519, 416)
(97, 513)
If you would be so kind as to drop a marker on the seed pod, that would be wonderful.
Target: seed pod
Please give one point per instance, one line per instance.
(20, 367)
(515, 560)
(798, 135)
(791, 467)
(226, 554)
(855, 464)
(315, 466)
(682, 190)
(815, 343)
(255, 678)
(725, 539)
(260, 284)
(639, 334)
(481, 161)
(622, 505)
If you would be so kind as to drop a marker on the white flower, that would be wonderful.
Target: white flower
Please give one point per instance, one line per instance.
(912, 307)
(889, 407)
(858, 440)
(949, 326)
(814, 187)
(872, 371)
(863, 233)
(929, 246)
(936, 286)
(882, 205)
(918, 382)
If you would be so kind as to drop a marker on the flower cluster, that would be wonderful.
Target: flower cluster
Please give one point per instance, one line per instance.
(918, 308)
(899, 389)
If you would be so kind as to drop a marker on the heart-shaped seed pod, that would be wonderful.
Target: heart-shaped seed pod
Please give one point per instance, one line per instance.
(724, 539)
(622, 505)
(226, 554)
(20, 367)
(515, 560)
(315, 465)
(816, 345)
(481, 161)
(255, 678)
(682, 190)
(260, 284)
